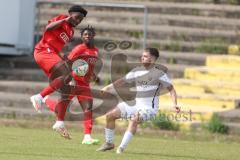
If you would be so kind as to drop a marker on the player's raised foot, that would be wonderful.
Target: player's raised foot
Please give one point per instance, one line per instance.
(37, 102)
(105, 147)
(120, 150)
(90, 141)
(44, 99)
(61, 130)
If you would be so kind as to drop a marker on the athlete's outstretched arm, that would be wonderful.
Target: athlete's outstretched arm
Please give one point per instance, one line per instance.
(56, 24)
(174, 97)
(117, 83)
(97, 68)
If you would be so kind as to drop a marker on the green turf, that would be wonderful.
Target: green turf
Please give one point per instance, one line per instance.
(44, 144)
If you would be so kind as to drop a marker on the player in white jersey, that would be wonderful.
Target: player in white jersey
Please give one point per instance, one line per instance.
(149, 80)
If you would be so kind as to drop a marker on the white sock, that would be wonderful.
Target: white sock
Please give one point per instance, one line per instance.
(39, 96)
(44, 99)
(126, 138)
(87, 136)
(109, 135)
(59, 123)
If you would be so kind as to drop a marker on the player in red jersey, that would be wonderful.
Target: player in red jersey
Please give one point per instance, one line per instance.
(84, 53)
(59, 31)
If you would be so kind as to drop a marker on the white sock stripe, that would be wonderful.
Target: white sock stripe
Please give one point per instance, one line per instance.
(109, 134)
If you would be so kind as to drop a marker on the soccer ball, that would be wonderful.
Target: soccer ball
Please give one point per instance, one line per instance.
(80, 67)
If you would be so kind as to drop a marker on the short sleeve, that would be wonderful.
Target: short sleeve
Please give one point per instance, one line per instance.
(59, 17)
(130, 77)
(76, 52)
(165, 79)
(97, 50)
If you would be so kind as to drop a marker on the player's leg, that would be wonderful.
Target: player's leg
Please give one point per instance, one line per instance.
(51, 103)
(60, 76)
(123, 110)
(49, 61)
(86, 105)
(111, 117)
(142, 114)
(59, 82)
(131, 130)
(85, 99)
(61, 107)
(60, 110)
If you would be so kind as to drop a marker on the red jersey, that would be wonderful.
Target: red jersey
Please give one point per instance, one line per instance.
(90, 55)
(56, 38)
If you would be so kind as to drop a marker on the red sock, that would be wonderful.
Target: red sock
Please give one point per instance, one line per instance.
(46, 91)
(61, 109)
(51, 104)
(87, 122)
(54, 85)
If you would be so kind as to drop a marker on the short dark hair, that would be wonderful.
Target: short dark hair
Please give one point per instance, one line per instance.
(77, 8)
(88, 28)
(153, 51)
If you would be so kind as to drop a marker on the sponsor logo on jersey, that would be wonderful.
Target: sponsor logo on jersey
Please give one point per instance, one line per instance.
(64, 37)
(92, 60)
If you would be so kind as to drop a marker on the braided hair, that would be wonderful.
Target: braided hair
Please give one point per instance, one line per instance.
(88, 28)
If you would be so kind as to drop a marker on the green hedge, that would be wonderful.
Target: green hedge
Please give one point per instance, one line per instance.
(215, 125)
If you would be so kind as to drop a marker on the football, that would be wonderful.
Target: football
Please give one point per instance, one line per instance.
(80, 67)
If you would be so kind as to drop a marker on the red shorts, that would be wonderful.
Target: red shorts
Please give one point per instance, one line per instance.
(85, 91)
(46, 59)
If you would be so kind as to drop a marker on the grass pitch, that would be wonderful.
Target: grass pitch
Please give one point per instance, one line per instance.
(44, 144)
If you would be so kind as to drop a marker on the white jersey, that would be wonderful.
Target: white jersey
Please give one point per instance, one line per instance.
(148, 83)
